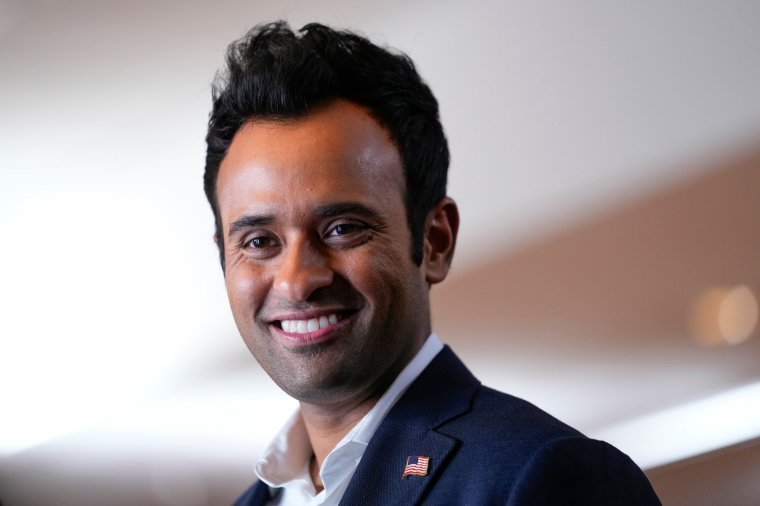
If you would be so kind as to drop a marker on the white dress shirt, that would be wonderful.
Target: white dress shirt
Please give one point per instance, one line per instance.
(284, 466)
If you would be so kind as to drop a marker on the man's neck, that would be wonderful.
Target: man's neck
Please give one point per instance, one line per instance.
(326, 427)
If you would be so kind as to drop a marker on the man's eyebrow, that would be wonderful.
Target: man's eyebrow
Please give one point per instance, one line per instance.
(249, 221)
(341, 208)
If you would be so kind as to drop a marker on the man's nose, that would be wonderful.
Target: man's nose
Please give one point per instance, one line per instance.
(302, 271)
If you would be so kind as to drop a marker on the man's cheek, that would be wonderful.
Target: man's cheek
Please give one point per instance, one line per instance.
(246, 293)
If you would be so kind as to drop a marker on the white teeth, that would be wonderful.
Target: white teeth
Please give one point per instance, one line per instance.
(311, 325)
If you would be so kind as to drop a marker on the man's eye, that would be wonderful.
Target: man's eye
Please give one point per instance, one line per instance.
(259, 242)
(348, 235)
(343, 229)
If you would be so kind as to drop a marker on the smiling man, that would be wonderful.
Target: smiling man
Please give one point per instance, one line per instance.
(326, 172)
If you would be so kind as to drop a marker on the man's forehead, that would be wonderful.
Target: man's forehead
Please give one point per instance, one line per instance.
(338, 151)
(338, 128)
(319, 180)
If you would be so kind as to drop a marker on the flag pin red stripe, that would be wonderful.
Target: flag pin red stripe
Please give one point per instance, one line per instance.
(416, 466)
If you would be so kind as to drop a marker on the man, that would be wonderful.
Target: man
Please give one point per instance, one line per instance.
(326, 171)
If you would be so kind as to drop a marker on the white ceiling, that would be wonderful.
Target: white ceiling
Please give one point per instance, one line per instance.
(115, 325)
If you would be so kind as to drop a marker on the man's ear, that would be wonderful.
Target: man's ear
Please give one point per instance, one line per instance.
(440, 239)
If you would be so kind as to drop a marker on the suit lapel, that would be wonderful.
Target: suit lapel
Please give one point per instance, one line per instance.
(443, 391)
(257, 495)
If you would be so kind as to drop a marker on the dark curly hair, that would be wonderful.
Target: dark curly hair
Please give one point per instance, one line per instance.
(275, 73)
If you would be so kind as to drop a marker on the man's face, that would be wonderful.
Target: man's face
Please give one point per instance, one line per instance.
(319, 271)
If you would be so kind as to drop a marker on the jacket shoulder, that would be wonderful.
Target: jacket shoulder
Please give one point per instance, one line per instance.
(498, 416)
(511, 452)
(581, 471)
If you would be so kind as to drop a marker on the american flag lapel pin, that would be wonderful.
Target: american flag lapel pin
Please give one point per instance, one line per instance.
(416, 466)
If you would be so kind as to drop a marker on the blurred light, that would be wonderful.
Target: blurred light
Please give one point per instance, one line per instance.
(178, 485)
(688, 430)
(97, 314)
(738, 315)
(724, 315)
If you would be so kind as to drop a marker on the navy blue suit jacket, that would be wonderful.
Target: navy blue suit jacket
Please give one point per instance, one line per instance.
(485, 447)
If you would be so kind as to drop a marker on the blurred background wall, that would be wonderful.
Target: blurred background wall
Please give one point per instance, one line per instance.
(606, 160)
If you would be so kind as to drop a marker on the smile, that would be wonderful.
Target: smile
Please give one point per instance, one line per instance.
(310, 325)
